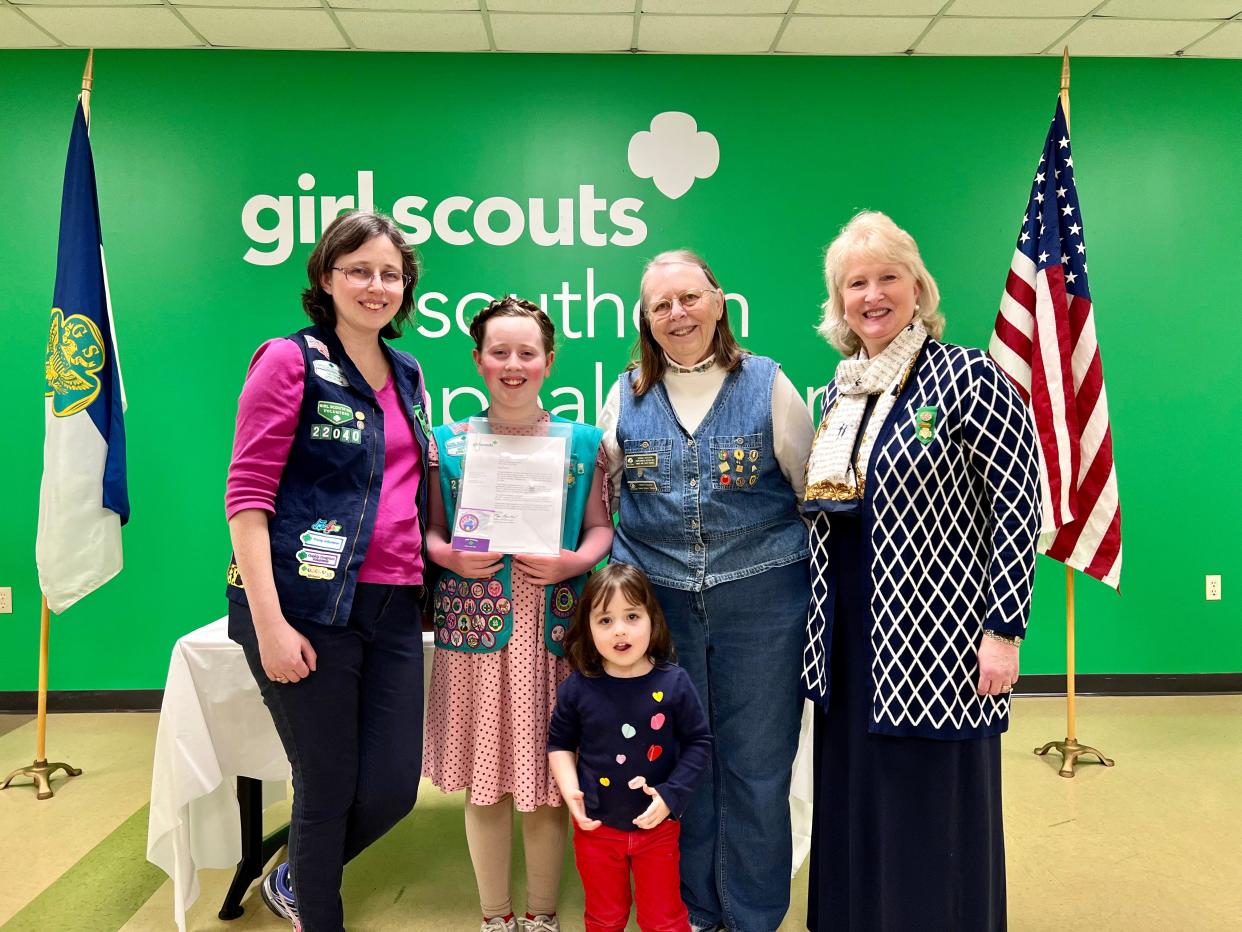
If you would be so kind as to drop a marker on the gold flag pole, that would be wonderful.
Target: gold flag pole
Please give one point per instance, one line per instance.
(41, 771)
(88, 81)
(1070, 749)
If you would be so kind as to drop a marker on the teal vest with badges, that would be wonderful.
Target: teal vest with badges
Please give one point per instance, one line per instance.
(475, 616)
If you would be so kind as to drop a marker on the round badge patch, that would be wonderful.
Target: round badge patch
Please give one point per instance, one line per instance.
(563, 600)
(503, 606)
(469, 606)
(456, 603)
(472, 639)
(477, 590)
(495, 589)
(558, 633)
(726, 479)
(455, 638)
(495, 622)
(487, 639)
(487, 606)
(443, 635)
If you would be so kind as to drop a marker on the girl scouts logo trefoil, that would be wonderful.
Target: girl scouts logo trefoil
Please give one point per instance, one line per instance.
(75, 352)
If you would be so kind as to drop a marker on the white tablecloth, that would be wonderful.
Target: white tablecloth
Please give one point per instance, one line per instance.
(213, 728)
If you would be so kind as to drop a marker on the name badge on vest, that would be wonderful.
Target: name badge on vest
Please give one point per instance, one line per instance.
(329, 372)
(642, 485)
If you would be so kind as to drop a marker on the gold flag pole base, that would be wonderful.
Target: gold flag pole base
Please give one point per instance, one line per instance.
(41, 773)
(1070, 751)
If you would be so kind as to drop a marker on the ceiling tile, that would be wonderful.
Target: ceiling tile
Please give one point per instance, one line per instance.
(972, 36)
(817, 35)
(282, 4)
(716, 7)
(404, 6)
(1132, 37)
(266, 29)
(727, 35)
(1163, 9)
(67, 3)
(518, 32)
(19, 33)
(1023, 8)
(872, 7)
(117, 28)
(561, 6)
(1225, 42)
(416, 32)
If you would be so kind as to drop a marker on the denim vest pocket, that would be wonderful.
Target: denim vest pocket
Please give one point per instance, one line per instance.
(736, 461)
(649, 465)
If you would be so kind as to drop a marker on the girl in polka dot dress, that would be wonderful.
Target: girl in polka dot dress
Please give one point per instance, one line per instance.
(500, 622)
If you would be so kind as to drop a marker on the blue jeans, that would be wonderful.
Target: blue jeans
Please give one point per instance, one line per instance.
(353, 732)
(741, 644)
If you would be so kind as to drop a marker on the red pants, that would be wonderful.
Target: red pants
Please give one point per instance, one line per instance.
(605, 858)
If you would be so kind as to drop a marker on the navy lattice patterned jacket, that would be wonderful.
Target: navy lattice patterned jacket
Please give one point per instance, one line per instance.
(949, 528)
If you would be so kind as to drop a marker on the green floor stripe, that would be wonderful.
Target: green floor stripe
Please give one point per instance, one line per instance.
(100, 892)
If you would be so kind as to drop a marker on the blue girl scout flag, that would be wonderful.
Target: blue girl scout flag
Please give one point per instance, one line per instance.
(83, 499)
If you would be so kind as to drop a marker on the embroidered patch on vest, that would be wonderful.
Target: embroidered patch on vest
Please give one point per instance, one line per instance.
(334, 412)
(329, 372)
(317, 345)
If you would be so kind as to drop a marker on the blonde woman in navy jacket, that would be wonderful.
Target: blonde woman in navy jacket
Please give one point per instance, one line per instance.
(922, 489)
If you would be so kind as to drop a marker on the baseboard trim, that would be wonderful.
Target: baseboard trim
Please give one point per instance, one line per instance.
(1130, 684)
(1035, 684)
(83, 700)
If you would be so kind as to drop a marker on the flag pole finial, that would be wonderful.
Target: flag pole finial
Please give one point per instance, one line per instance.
(88, 80)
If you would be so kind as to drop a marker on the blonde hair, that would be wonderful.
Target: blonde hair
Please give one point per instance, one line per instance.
(873, 235)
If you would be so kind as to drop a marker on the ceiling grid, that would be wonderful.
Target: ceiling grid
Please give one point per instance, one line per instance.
(1142, 28)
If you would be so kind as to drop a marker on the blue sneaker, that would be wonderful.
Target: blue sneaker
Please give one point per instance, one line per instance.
(277, 893)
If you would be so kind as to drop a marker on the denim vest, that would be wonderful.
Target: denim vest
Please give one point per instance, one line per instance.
(329, 490)
(475, 616)
(710, 507)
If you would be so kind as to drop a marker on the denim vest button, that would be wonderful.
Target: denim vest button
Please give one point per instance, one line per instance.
(690, 443)
(694, 483)
(698, 548)
(694, 522)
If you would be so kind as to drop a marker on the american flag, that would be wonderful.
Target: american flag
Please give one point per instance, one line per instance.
(1045, 342)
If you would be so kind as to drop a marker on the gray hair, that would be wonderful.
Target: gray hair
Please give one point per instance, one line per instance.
(873, 235)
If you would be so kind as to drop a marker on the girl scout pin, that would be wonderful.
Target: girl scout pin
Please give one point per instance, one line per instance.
(925, 424)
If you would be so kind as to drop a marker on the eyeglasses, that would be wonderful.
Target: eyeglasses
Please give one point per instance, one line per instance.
(688, 300)
(360, 275)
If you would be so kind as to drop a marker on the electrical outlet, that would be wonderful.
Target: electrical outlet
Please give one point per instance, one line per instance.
(1213, 588)
(6, 600)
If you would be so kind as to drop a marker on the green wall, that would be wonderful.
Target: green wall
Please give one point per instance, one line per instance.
(183, 140)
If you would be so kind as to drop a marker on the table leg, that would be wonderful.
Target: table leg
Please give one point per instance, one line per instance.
(256, 850)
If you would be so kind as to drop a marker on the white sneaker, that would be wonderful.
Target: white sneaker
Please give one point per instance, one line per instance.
(542, 924)
(498, 924)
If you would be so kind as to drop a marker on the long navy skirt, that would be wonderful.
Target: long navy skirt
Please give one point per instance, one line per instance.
(907, 832)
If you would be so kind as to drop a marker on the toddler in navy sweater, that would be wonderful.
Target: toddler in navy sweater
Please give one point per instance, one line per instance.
(627, 743)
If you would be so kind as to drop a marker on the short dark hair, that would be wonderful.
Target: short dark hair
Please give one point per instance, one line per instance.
(513, 306)
(346, 233)
(648, 357)
(600, 588)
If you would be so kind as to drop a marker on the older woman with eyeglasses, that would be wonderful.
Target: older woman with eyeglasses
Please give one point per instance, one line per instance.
(326, 504)
(707, 445)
